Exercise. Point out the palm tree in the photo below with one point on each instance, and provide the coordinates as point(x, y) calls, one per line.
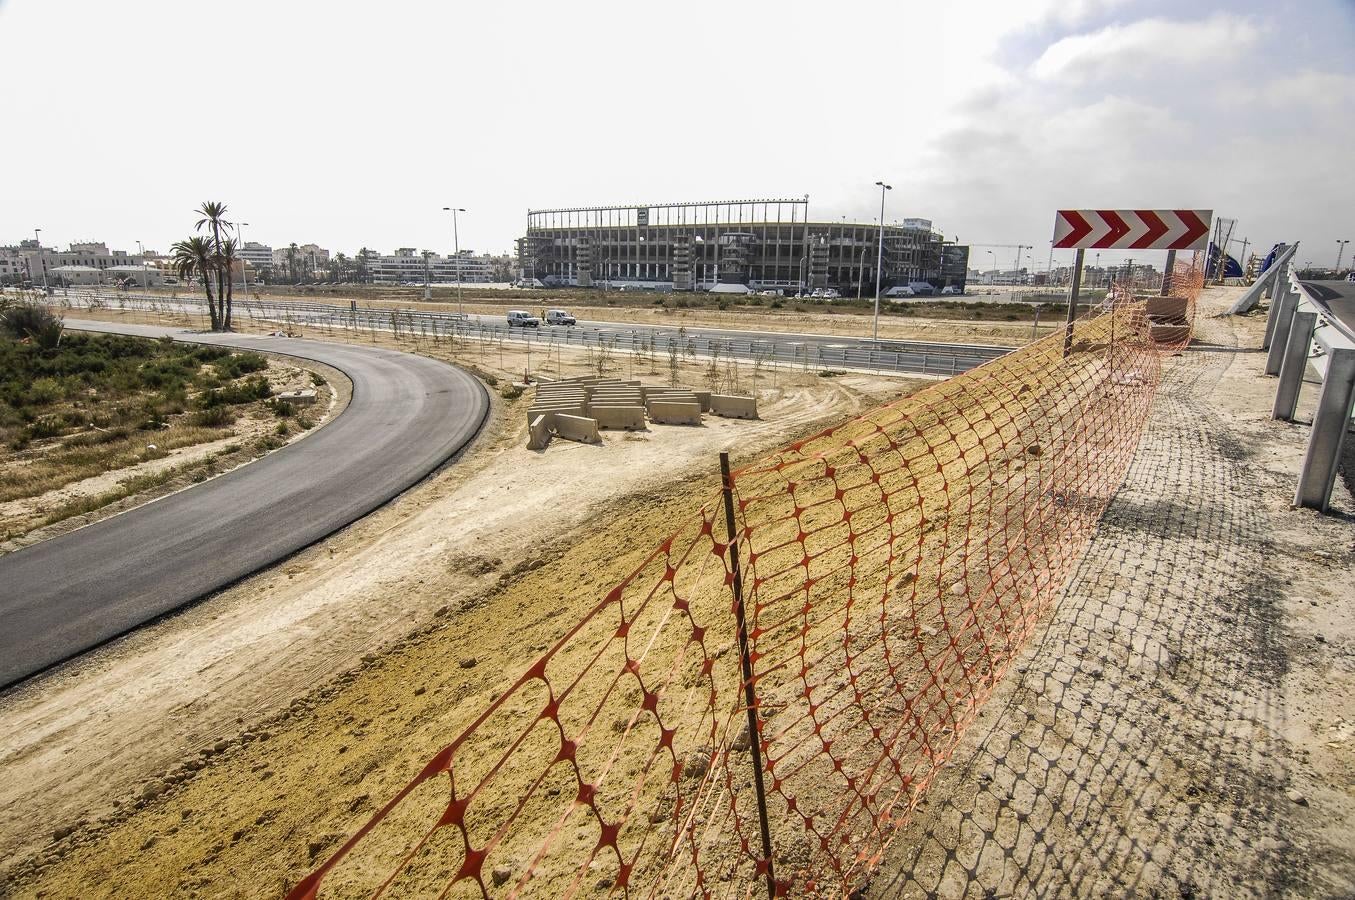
point(195, 256)
point(362, 271)
point(213, 214)
point(342, 263)
point(226, 258)
point(291, 262)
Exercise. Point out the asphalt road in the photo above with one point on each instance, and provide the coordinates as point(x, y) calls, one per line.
point(1339, 297)
point(408, 415)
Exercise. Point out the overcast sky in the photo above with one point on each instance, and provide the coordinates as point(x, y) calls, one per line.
point(352, 124)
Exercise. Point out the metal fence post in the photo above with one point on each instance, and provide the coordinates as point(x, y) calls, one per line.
point(1293, 365)
point(1282, 312)
point(1073, 289)
point(1329, 431)
point(1279, 291)
point(749, 693)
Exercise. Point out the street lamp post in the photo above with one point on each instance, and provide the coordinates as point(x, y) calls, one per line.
point(880, 258)
point(145, 288)
point(1341, 251)
point(456, 246)
point(427, 292)
point(803, 260)
point(860, 272)
point(244, 272)
point(42, 260)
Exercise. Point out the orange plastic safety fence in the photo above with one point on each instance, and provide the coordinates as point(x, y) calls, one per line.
point(892, 566)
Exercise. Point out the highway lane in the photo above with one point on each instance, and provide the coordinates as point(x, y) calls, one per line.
point(408, 415)
point(807, 350)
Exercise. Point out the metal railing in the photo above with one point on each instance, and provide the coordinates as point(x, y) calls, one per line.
point(1302, 330)
point(807, 351)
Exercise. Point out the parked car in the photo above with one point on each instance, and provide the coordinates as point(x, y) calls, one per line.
point(560, 317)
point(901, 290)
point(522, 319)
point(951, 289)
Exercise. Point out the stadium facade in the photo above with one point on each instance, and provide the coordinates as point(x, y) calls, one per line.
point(760, 244)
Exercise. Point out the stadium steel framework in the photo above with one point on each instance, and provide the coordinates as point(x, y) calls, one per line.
point(766, 244)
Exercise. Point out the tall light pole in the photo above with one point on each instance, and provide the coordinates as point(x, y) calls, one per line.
point(860, 273)
point(880, 258)
point(42, 260)
point(244, 272)
point(456, 246)
point(1340, 252)
point(142, 252)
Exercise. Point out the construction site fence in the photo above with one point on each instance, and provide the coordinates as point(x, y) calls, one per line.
point(886, 572)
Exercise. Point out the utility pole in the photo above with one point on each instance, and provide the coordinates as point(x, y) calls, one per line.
point(1341, 251)
point(244, 272)
point(42, 260)
point(427, 294)
point(880, 259)
point(145, 288)
point(456, 246)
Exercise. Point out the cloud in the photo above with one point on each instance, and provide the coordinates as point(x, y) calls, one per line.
point(1320, 91)
point(1124, 50)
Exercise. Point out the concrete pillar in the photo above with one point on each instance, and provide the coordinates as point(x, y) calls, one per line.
point(1329, 431)
point(1281, 319)
point(1294, 364)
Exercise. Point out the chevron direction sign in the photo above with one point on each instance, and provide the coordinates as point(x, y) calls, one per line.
point(1132, 229)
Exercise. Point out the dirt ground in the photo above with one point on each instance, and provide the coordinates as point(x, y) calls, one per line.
point(88, 749)
point(1182, 726)
point(21, 520)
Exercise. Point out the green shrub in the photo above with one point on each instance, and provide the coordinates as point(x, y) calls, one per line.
point(214, 417)
point(510, 392)
point(44, 391)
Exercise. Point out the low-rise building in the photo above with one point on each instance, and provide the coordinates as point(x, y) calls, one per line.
point(407, 264)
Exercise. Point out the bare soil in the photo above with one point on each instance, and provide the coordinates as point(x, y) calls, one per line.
point(92, 751)
point(1182, 726)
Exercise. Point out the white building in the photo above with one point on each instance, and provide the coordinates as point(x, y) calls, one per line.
point(260, 256)
point(408, 265)
point(38, 260)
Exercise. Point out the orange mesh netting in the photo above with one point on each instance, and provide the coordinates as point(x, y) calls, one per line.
point(892, 568)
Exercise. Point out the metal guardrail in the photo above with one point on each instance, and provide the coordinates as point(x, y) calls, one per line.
point(1302, 331)
point(822, 352)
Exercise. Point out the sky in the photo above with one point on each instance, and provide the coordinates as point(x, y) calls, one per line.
point(353, 124)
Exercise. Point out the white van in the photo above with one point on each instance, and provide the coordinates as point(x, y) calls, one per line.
point(522, 319)
point(560, 317)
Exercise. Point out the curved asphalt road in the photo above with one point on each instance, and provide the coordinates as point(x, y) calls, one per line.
point(408, 415)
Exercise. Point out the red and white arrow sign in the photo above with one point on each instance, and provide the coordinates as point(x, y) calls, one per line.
point(1132, 229)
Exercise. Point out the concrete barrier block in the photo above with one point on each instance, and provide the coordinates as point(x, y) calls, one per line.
point(577, 428)
point(297, 398)
point(733, 407)
point(1166, 307)
point(703, 397)
point(1169, 334)
point(627, 418)
point(675, 413)
point(538, 432)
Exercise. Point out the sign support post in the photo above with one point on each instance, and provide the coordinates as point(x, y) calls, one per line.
point(1073, 289)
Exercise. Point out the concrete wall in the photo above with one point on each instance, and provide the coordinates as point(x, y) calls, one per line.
point(733, 407)
point(1166, 307)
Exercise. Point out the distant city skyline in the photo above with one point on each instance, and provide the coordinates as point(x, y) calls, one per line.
point(985, 116)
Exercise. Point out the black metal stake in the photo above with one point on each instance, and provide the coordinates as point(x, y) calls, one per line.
point(749, 694)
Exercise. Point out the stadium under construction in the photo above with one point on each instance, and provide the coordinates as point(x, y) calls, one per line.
point(731, 245)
